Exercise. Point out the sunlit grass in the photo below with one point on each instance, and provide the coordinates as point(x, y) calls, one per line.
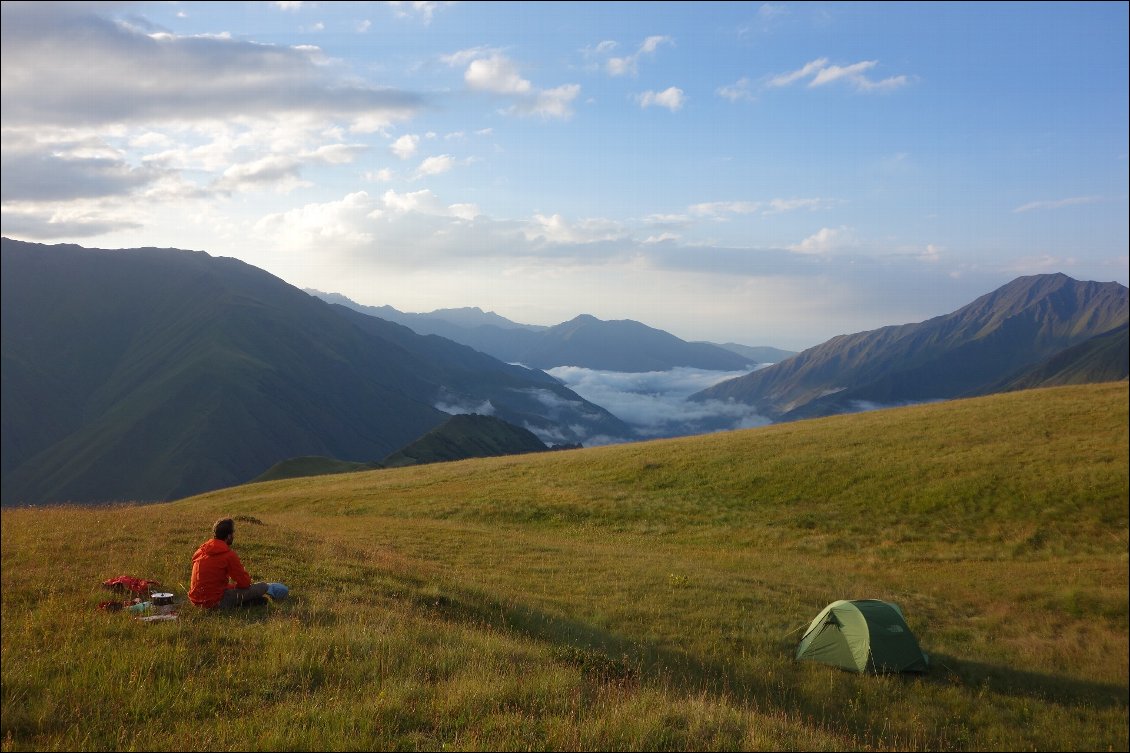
point(637, 597)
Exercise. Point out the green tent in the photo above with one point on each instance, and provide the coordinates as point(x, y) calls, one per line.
point(862, 635)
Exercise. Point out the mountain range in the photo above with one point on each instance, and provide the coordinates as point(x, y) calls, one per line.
point(620, 345)
point(151, 374)
point(1037, 330)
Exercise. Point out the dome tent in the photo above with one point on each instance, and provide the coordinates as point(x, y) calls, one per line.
point(862, 635)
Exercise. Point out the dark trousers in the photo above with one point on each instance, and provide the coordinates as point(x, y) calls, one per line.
point(244, 597)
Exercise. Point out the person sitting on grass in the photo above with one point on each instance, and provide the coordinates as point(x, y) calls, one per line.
point(218, 577)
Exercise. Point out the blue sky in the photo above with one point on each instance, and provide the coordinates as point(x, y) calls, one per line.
point(763, 173)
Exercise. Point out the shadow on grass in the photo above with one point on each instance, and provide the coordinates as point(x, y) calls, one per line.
point(1063, 691)
point(609, 658)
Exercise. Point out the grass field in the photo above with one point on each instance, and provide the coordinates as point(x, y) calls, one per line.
point(636, 597)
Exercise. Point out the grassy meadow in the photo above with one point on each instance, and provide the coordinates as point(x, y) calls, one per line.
point(637, 597)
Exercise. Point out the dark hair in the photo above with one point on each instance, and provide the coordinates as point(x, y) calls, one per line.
point(224, 527)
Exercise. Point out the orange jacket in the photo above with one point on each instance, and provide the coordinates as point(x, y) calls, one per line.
point(213, 566)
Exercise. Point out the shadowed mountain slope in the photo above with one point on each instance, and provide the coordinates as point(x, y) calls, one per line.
point(150, 374)
point(968, 352)
point(1105, 358)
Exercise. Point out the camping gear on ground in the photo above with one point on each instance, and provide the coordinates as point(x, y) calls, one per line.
point(277, 590)
point(163, 602)
point(124, 583)
point(862, 635)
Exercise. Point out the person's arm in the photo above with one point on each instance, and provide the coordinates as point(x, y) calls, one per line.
point(236, 571)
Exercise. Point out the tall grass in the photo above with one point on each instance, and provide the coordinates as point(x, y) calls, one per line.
point(637, 597)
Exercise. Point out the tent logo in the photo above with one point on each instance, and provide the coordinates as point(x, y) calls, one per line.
point(894, 628)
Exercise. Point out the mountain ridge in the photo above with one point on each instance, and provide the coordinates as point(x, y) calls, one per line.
point(585, 341)
point(964, 353)
point(151, 374)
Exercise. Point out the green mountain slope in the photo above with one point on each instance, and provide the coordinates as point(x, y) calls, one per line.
point(967, 352)
point(467, 436)
point(1104, 358)
point(311, 466)
point(151, 374)
point(647, 596)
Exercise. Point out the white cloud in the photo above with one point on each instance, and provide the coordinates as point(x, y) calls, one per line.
point(273, 171)
point(822, 74)
point(422, 201)
point(334, 222)
point(405, 146)
point(773, 206)
point(785, 79)
point(436, 165)
point(384, 175)
point(550, 103)
point(463, 57)
point(423, 9)
point(737, 92)
point(69, 67)
point(427, 203)
point(716, 208)
point(455, 408)
point(464, 211)
point(1058, 203)
point(824, 241)
point(336, 154)
point(556, 229)
point(496, 74)
point(363, 26)
point(776, 206)
point(629, 64)
point(654, 403)
point(672, 98)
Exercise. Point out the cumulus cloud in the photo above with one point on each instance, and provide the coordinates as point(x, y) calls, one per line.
point(820, 73)
point(825, 240)
point(550, 103)
point(405, 146)
point(496, 74)
point(492, 72)
point(436, 165)
point(331, 222)
point(629, 64)
point(281, 173)
point(556, 229)
point(672, 98)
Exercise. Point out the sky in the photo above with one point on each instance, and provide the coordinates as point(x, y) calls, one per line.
point(762, 173)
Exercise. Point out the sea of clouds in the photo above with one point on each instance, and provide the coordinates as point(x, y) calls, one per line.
point(654, 403)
